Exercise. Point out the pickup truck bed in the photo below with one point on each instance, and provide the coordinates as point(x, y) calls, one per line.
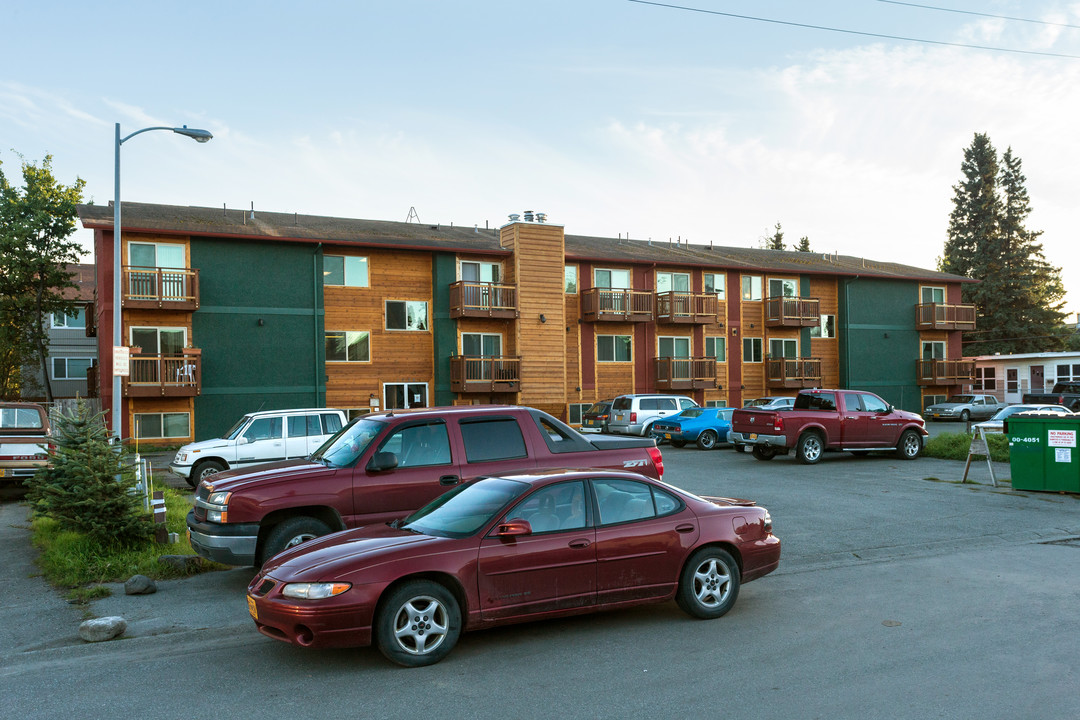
point(1067, 394)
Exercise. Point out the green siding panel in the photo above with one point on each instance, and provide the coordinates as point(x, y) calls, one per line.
point(260, 328)
point(444, 328)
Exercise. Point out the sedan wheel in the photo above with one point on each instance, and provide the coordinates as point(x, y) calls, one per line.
point(709, 584)
point(965, 416)
point(707, 440)
point(419, 624)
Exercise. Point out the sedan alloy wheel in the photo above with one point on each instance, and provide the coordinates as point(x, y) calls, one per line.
point(709, 584)
point(419, 624)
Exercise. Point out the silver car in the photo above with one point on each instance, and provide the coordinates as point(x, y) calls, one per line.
point(996, 424)
point(965, 407)
point(635, 414)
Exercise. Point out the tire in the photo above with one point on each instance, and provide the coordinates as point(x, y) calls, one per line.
point(965, 416)
point(910, 445)
point(678, 443)
point(809, 448)
point(292, 532)
point(418, 624)
point(647, 431)
point(707, 440)
point(709, 584)
point(203, 470)
point(763, 452)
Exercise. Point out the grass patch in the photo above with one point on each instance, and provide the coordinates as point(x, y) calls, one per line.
point(83, 595)
point(954, 446)
point(72, 560)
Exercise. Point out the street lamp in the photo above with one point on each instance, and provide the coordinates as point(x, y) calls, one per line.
point(118, 339)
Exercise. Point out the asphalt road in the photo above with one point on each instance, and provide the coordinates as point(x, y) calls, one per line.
point(901, 594)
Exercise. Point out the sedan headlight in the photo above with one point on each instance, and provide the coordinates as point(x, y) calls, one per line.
point(314, 591)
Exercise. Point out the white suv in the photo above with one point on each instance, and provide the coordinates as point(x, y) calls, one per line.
point(258, 437)
point(634, 414)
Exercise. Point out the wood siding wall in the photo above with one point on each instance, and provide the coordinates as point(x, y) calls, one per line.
point(827, 349)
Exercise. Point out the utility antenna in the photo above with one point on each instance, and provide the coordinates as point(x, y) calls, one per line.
point(413, 216)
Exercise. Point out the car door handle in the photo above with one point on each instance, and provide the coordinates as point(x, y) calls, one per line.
point(851, 417)
point(684, 528)
point(449, 480)
point(578, 544)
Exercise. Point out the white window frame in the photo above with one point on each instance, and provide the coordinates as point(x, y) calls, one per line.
point(932, 289)
point(157, 260)
point(784, 342)
point(408, 400)
point(932, 344)
point(407, 303)
point(349, 279)
point(614, 346)
point(348, 344)
point(718, 282)
point(494, 270)
point(570, 279)
point(676, 340)
point(760, 350)
point(67, 375)
point(751, 288)
point(481, 335)
point(611, 278)
point(158, 328)
point(670, 276)
point(1073, 376)
point(580, 408)
point(163, 436)
point(63, 323)
point(712, 340)
point(785, 285)
point(820, 330)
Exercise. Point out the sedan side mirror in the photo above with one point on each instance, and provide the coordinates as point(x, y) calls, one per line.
point(382, 461)
point(514, 528)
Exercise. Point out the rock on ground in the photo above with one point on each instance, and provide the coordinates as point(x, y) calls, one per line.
point(100, 629)
point(139, 585)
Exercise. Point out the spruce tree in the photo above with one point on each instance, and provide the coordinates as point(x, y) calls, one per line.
point(85, 487)
point(774, 241)
point(804, 244)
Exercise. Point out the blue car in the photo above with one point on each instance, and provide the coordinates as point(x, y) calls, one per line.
point(706, 426)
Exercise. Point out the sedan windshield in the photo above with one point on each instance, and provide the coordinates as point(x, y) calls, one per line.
point(465, 510)
point(349, 443)
point(961, 398)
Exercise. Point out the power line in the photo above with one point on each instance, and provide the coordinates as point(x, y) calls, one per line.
point(854, 32)
point(988, 15)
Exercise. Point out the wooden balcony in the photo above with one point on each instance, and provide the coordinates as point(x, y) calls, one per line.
point(944, 372)
point(792, 312)
point(935, 316)
point(682, 307)
point(483, 300)
point(793, 373)
point(164, 376)
point(160, 288)
point(605, 304)
point(685, 373)
point(485, 374)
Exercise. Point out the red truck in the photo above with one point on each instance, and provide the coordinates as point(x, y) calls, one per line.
point(822, 420)
point(381, 467)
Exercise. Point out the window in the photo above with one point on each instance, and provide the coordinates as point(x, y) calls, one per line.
point(159, 340)
point(714, 283)
point(827, 328)
point(815, 401)
point(70, 322)
point(264, 428)
point(985, 378)
point(669, 281)
point(716, 348)
point(751, 287)
point(715, 403)
point(673, 347)
point(933, 350)
point(1068, 373)
point(419, 445)
point(406, 315)
point(657, 403)
point(784, 348)
point(356, 412)
point(70, 368)
point(625, 500)
point(612, 279)
point(929, 400)
point(932, 295)
point(782, 288)
point(155, 255)
point(348, 346)
point(576, 411)
point(331, 423)
point(874, 404)
point(401, 396)
point(496, 439)
point(556, 507)
point(751, 350)
point(481, 345)
point(304, 425)
point(149, 426)
point(21, 418)
point(570, 278)
point(613, 348)
point(479, 271)
point(345, 270)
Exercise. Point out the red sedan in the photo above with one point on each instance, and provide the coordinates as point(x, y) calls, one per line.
point(512, 548)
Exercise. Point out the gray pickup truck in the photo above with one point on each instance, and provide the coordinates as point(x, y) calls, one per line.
point(1067, 394)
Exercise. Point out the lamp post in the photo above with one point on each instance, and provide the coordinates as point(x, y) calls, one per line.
point(118, 270)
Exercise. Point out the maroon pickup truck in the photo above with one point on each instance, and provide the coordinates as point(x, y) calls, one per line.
point(822, 420)
point(384, 466)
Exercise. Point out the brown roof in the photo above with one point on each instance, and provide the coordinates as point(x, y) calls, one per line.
point(85, 279)
point(238, 223)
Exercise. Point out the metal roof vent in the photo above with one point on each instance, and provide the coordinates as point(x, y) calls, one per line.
point(528, 216)
point(514, 217)
point(541, 217)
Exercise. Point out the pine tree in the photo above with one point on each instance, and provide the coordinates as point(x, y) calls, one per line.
point(1019, 296)
point(804, 244)
point(80, 488)
point(774, 241)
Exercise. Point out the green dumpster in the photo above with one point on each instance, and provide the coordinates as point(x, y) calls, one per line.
point(1043, 452)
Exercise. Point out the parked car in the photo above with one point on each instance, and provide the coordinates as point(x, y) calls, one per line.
point(384, 466)
point(772, 402)
point(595, 419)
point(635, 414)
point(707, 427)
point(823, 420)
point(507, 548)
point(1066, 393)
point(24, 431)
point(996, 424)
point(965, 407)
point(257, 438)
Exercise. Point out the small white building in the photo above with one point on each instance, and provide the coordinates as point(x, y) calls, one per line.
point(1008, 377)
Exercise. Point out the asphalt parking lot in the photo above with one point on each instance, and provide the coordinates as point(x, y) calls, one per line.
point(901, 594)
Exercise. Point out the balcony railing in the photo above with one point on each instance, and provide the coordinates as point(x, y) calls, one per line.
point(935, 316)
point(793, 372)
point(154, 287)
point(164, 376)
point(483, 299)
point(606, 304)
point(792, 312)
point(685, 373)
point(469, 374)
point(682, 307)
point(944, 372)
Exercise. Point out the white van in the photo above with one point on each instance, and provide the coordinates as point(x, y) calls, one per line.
point(635, 414)
point(258, 437)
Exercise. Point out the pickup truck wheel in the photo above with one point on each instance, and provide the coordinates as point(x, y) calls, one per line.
point(808, 450)
point(763, 452)
point(910, 445)
point(707, 440)
point(709, 584)
point(418, 624)
point(965, 416)
point(203, 470)
point(292, 532)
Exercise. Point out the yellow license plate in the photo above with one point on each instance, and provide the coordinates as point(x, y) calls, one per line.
point(753, 436)
point(667, 436)
point(3, 472)
point(251, 608)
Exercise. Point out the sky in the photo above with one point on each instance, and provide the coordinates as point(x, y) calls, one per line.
point(614, 117)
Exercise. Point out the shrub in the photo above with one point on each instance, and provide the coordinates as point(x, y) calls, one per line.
point(955, 446)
